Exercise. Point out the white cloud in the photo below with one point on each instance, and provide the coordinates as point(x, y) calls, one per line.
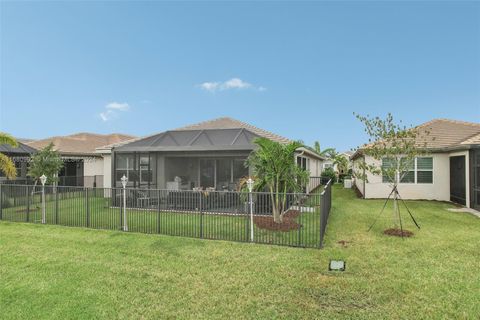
point(118, 106)
point(112, 109)
point(236, 83)
point(233, 83)
point(210, 86)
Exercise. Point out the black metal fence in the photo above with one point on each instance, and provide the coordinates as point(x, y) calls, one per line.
point(325, 205)
point(315, 182)
point(222, 215)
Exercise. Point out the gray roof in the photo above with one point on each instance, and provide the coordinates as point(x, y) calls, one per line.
point(21, 149)
point(230, 123)
point(194, 140)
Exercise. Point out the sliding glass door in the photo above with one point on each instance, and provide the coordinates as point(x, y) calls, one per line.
point(207, 173)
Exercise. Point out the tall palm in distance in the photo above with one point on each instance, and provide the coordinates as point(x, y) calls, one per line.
point(328, 153)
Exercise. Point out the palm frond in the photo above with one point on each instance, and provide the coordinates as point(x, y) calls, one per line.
point(7, 166)
point(5, 138)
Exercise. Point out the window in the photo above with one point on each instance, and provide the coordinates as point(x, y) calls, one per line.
point(302, 162)
point(419, 170)
point(387, 164)
point(409, 175)
point(124, 166)
point(145, 169)
point(425, 170)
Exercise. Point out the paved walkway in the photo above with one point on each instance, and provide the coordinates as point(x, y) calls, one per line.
point(468, 210)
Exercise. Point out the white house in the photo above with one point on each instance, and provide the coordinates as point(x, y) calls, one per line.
point(449, 172)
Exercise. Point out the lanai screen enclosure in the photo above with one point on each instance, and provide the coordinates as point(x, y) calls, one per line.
point(184, 160)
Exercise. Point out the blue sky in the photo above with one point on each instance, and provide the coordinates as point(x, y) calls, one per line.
point(297, 69)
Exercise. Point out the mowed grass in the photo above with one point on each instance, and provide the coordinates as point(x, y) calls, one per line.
point(54, 272)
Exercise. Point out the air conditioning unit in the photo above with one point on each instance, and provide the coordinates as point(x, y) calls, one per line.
point(347, 183)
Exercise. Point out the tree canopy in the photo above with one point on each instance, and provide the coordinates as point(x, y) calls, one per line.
point(48, 162)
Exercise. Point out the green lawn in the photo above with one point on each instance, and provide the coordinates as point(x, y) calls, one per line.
point(58, 272)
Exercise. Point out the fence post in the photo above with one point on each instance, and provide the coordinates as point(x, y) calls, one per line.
point(299, 240)
point(125, 222)
point(56, 207)
point(1, 201)
point(322, 210)
point(201, 213)
point(27, 218)
point(120, 206)
point(87, 207)
point(44, 215)
point(158, 213)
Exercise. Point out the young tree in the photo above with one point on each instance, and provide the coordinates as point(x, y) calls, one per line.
point(274, 168)
point(48, 162)
point(394, 148)
point(6, 164)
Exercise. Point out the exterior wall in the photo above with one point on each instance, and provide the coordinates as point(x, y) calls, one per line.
point(467, 173)
point(438, 190)
point(359, 183)
point(94, 166)
point(107, 170)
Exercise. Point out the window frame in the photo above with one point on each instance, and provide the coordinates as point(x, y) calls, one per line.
point(415, 172)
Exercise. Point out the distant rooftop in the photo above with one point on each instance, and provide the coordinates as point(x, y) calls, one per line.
point(21, 149)
point(83, 143)
point(446, 134)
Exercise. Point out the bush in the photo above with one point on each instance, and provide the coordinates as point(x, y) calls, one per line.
point(330, 174)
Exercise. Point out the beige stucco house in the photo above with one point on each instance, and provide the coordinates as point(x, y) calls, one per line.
point(450, 171)
point(83, 166)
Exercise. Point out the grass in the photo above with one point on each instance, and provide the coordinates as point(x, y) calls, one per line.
point(70, 210)
point(57, 272)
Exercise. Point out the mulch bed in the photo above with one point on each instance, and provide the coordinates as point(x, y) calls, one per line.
point(287, 224)
point(398, 233)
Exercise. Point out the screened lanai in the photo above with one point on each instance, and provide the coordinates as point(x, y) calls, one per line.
point(185, 159)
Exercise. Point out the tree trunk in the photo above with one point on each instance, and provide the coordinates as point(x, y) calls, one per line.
point(395, 196)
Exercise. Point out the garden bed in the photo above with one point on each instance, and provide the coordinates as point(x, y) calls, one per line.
point(288, 223)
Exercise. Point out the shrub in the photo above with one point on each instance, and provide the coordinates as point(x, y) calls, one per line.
point(329, 173)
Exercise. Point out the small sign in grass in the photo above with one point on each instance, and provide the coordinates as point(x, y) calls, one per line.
point(337, 265)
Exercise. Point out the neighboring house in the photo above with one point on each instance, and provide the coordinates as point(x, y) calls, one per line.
point(328, 163)
point(82, 165)
point(20, 156)
point(209, 154)
point(449, 172)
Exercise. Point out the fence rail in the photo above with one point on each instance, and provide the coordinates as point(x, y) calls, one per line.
point(222, 215)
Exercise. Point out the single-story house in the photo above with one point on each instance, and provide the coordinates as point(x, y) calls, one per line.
point(20, 156)
point(209, 154)
point(83, 166)
point(450, 171)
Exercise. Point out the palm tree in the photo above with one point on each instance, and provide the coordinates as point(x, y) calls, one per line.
point(341, 162)
point(329, 152)
point(6, 164)
point(275, 169)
